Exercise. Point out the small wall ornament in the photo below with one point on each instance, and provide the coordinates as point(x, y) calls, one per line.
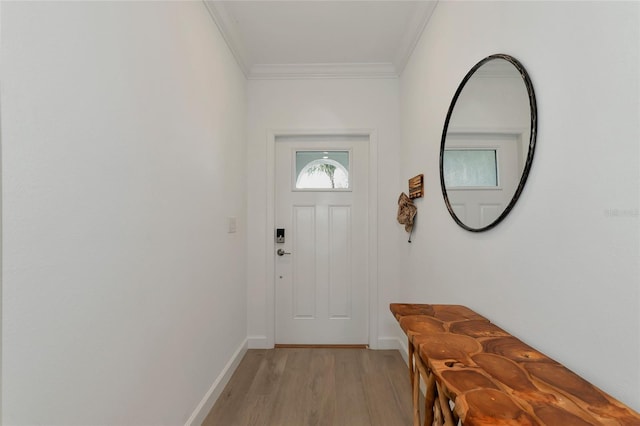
point(416, 186)
point(406, 213)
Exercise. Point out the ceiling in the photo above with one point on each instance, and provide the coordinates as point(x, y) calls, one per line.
point(306, 38)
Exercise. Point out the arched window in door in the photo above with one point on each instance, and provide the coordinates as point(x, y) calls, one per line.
point(322, 173)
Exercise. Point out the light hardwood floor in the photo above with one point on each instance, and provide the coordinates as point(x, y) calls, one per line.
point(303, 387)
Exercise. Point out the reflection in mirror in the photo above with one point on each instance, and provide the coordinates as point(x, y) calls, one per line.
point(488, 142)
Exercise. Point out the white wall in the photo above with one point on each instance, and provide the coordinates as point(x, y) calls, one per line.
point(562, 271)
point(323, 104)
point(123, 155)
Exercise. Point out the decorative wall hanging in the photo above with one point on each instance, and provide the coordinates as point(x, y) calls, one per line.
point(416, 186)
point(406, 213)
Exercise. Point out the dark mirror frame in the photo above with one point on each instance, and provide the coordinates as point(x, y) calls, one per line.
point(532, 139)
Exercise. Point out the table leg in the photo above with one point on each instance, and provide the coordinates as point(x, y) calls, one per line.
point(446, 408)
point(411, 362)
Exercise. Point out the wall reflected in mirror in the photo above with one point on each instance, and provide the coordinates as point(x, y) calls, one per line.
point(488, 142)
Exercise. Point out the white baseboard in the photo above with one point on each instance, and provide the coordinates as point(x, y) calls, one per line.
point(386, 343)
point(395, 343)
point(205, 406)
point(258, 342)
point(404, 350)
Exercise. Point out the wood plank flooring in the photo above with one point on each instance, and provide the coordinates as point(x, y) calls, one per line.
point(305, 387)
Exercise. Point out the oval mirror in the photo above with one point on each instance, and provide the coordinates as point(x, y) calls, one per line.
point(488, 142)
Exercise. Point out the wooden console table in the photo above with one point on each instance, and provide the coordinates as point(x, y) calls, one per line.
point(478, 374)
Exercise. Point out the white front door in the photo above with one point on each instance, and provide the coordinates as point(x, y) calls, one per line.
point(321, 203)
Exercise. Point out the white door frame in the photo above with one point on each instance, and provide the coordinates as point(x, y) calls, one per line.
point(372, 255)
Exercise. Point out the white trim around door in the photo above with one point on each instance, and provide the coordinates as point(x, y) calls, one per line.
point(373, 224)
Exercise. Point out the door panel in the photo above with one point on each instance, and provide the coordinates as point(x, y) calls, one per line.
point(339, 262)
point(489, 212)
point(304, 225)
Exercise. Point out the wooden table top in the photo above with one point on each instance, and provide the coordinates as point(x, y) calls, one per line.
point(496, 379)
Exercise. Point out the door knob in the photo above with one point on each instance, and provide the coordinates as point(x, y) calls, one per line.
point(281, 252)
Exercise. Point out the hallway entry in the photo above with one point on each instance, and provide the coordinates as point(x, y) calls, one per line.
point(321, 262)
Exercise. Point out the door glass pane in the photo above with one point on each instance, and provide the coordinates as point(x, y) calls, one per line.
point(470, 168)
point(322, 170)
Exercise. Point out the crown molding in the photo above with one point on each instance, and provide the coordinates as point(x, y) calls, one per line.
point(227, 28)
point(297, 71)
point(413, 33)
